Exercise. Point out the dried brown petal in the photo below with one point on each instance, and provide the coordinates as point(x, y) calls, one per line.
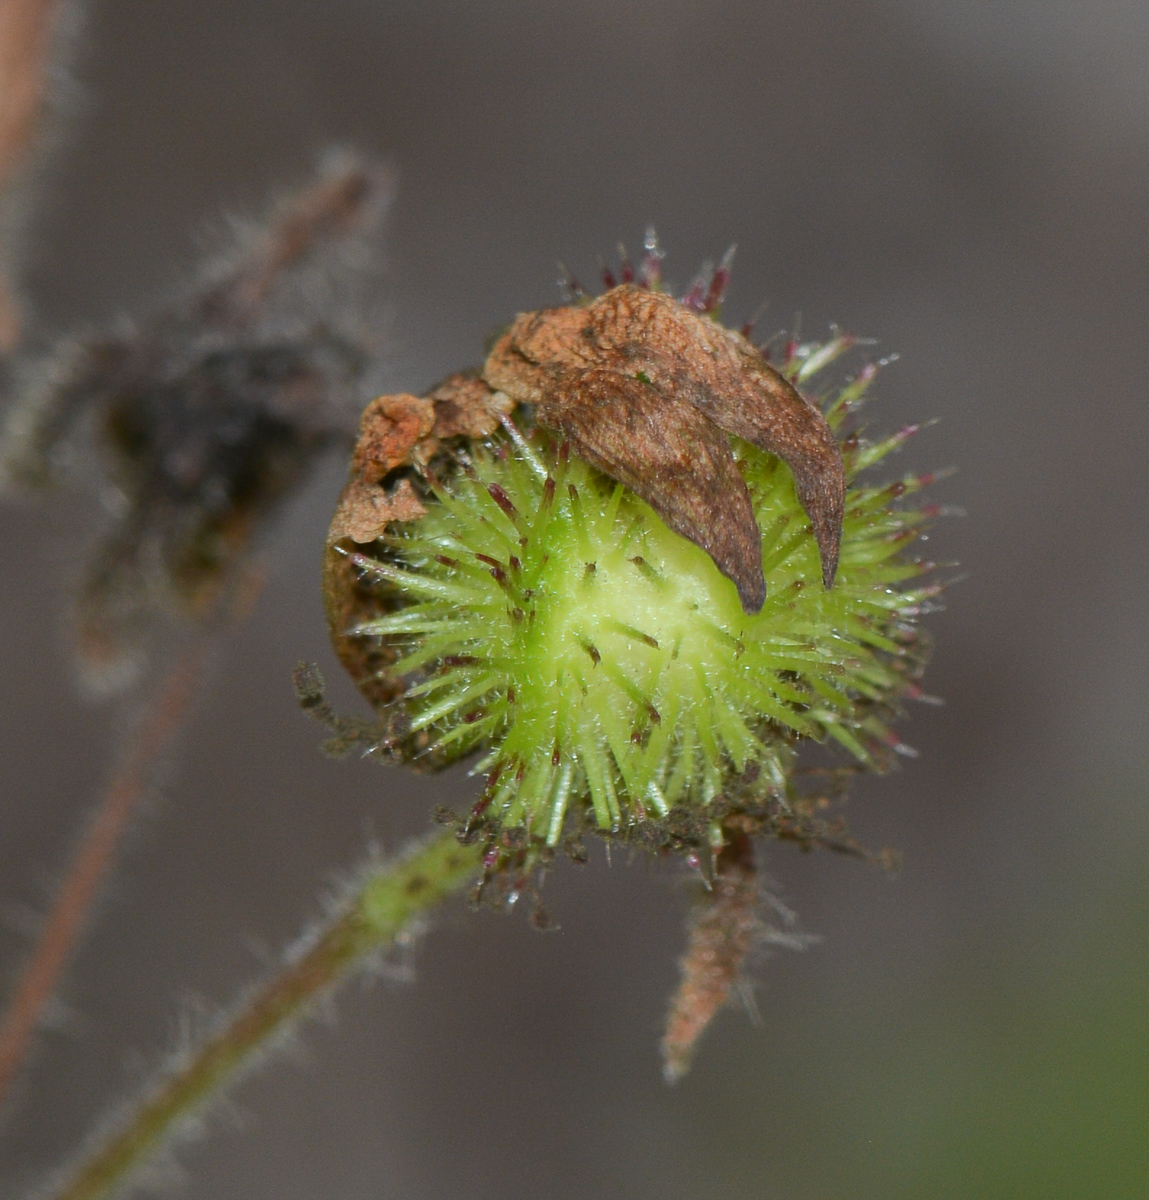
point(679, 359)
point(722, 375)
point(555, 340)
point(512, 374)
point(674, 458)
point(465, 406)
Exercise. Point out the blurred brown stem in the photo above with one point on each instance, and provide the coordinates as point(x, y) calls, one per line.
point(346, 197)
point(26, 28)
point(69, 913)
point(327, 210)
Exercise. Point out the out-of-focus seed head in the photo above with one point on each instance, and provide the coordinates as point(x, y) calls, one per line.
point(206, 415)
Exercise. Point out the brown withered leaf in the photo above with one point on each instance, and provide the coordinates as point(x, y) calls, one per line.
point(687, 362)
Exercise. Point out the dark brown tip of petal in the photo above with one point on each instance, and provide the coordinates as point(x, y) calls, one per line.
point(786, 424)
point(672, 456)
point(750, 582)
point(823, 498)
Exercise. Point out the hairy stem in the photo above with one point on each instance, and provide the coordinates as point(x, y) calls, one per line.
point(26, 28)
point(387, 900)
point(87, 871)
point(721, 934)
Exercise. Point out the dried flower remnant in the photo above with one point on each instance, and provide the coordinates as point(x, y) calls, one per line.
point(208, 414)
point(533, 597)
point(645, 388)
point(397, 433)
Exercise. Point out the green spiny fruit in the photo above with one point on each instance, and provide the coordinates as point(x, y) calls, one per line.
point(544, 616)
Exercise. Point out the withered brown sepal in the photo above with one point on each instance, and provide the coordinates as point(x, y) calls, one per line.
point(644, 388)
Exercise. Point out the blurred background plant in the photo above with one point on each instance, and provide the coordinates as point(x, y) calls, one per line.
point(971, 183)
point(190, 426)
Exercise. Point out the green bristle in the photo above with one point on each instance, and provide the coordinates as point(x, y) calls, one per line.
point(639, 682)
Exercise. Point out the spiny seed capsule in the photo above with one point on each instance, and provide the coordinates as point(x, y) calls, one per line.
point(515, 573)
point(638, 680)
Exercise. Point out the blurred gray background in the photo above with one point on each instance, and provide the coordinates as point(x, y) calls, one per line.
point(967, 182)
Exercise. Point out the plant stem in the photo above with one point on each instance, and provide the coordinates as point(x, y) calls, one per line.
point(93, 860)
point(387, 900)
point(166, 714)
point(26, 28)
point(722, 931)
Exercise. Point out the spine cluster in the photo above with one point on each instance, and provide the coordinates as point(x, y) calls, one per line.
point(544, 615)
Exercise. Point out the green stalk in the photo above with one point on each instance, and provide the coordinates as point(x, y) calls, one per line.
point(387, 900)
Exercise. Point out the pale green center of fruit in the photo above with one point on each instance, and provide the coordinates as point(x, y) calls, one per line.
point(643, 607)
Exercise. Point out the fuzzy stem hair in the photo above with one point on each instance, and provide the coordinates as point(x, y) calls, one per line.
point(380, 908)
